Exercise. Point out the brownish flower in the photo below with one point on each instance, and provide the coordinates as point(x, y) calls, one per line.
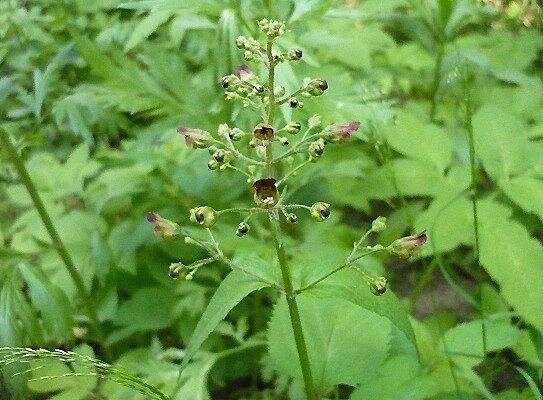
point(405, 247)
point(265, 192)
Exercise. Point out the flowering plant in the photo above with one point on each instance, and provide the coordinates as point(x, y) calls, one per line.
point(269, 157)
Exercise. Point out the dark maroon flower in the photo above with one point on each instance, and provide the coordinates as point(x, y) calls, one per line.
point(265, 192)
point(263, 132)
point(405, 247)
point(341, 131)
point(196, 138)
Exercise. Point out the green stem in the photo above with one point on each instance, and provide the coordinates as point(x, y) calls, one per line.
point(294, 313)
point(437, 79)
point(51, 230)
point(473, 170)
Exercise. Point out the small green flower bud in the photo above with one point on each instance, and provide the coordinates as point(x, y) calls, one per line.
point(294, 54)
point(235, 134)
point(379, 224)
point(316, 87)
point(292, 127)
point(241, 42)
point(283, 140)
point(213, 165)
point(220, 156)
point(293, 102)
point(316, 149)
point(292, 218)
point(320, 211)
point(177, 270)
point(378, 286)
point(314, 123)
point(162, 227)
point(405, 247)
point(205, 216)
point(259, 89)
point(243, 229)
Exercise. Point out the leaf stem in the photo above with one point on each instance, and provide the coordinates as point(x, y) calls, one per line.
point(294, 313)
point(61, 249)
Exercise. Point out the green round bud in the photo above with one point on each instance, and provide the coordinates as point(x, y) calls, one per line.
point(219, 156)
point(259, 89)
point(316, 149)
point(292, 218)
point(316, 87)
point(292, 127)
point(293, 102)
point(379, 224)
point(213, 165)
point(243, 229)
point(378, 286)
point(205, 216)
point(320, 211)
point(294, 54)
point(283, 140)
point(177, 270)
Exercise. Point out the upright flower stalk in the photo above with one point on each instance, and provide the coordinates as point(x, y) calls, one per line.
point(252, 152)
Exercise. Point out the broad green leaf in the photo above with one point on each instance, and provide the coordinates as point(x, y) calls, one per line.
point(513, 259)
point(420, 140)
point(468, 343)
point(349, 285)
point(499, 142)
point(345, 342)
point(234, 288)
point(149, 308)
point(526, 192)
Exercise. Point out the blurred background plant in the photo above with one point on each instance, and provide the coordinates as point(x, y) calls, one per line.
point(450, 98)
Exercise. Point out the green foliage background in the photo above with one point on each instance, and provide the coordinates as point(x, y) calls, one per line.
point(91, 93)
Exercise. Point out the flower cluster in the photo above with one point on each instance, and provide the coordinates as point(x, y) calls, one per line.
point(260, 152)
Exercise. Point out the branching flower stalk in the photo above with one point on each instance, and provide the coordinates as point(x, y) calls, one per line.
point(257, 155)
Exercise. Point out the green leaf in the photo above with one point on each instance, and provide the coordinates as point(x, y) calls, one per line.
point(54, 306)
point(345, 342)
point(420, 140)
point(349, 285)
point(513, 259)
point(526, 192)
point(149, 308)
point(499, 142)
point(468, 343)
point(234, 288)
point(146, 27)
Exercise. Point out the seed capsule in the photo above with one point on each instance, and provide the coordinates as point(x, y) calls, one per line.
point(292, 218)
point(243, 229)
point(293, 102)
point(320, 211)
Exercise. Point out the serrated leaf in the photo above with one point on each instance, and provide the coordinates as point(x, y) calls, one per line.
point(513, 259)
point(234, 288)
point(345, 342)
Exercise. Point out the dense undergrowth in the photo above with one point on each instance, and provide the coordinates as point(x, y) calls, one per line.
point(450, 99)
